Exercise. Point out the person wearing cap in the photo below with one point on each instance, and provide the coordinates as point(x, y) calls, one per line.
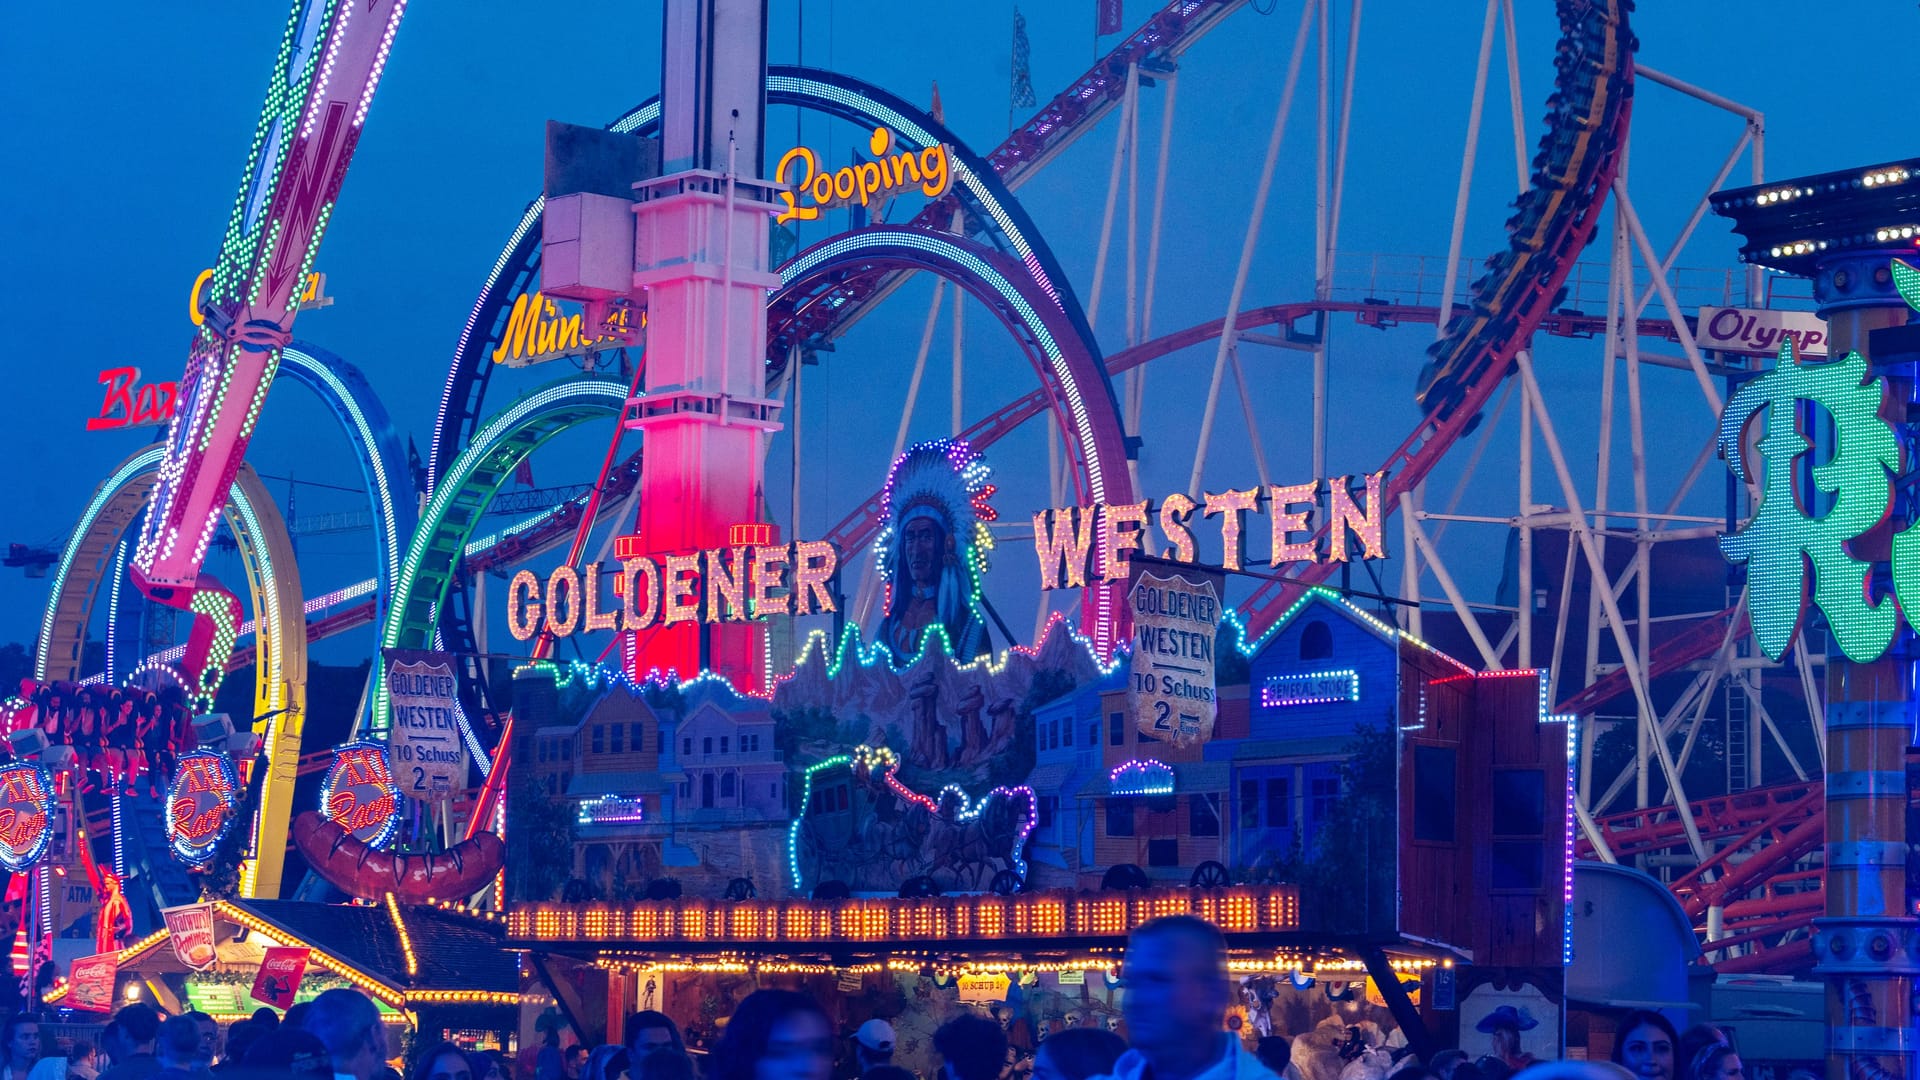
point(872, 1048)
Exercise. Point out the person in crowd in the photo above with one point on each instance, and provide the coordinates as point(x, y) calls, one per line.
point(1716, 1061)
point(1276, 1053)
point(289, 1050)
point(348, 1023)
point(297, 1015)
point(649, 1031)
point(240, 1037)
point(779, 1035)
point(178, 1048)
point(491, 1065)
point(135, 1028)
point(1176, 1005)
point(573, 1061)
point(1493, 1068)
point(20, 1040)
point(663, 1065)
point(1646, 1045)
point(1695, 1039)
point(971, 1047)
point(1467, 1070)
point(443, 1061)
point(265, 1019)
point(49, 1068)
point(872, 1048)
point(888, 1072)
point(83, 1060)
point(209, 1029)
point(1077, 1054)
point(1444, 1062)
point(605, 1062)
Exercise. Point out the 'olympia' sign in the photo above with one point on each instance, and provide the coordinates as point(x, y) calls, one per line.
point(1782, 544)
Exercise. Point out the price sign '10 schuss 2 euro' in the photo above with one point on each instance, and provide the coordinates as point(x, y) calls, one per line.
point(1781, 544)
point(1171, 676)
point(429, 756)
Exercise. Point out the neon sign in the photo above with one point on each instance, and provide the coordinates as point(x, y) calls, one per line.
point(539, 330)
point(26, 815)
point(124, 406)
point(358, 793)
point(738, 584)
point(314, 295)
point(1315, 688)
point(201, 804)
point(1064, 538)
point(877, 180)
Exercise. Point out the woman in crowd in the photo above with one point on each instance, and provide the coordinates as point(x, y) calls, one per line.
point(1646, 1045)
point(1717, 1061)
point(774, 1035)
point(444, 1061)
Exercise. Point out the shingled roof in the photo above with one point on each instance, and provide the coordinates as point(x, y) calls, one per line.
point(451, 951)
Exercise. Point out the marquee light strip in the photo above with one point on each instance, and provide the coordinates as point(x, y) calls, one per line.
point(1051, 914)
point(1154, 776)
point(1270, 696)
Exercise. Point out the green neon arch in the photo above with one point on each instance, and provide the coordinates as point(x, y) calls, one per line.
point(460, 498)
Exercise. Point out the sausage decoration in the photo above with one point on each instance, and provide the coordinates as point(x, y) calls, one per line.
point(360, 870)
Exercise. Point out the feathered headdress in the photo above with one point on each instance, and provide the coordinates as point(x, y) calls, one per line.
point(945, 481)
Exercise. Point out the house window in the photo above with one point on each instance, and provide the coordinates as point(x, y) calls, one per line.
point(686, 746)
point(1116, 728)
point(1435, 796)
point(1279, 803)
point(1093, 733)
point(541, 753)
point(749, 743)
point(686, 788)
point(1163, 852)
point(619, 733)
point(1049, 806)
point(1066, 732)
point(638, 738)
point(1321, 795)
point(1120, 817)
point(706, 745)
point(1519, 802)
point(723, 744)
point(1203, 815)
point(1316, 641)
point(1249, 804)
point(726, 785)
point(599, 739)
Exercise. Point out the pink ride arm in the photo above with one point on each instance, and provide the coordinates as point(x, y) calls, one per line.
point(329, 64)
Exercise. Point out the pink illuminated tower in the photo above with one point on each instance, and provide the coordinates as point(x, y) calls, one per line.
point(700, 261)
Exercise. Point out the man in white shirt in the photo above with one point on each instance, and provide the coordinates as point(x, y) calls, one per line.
point(1175, 1004)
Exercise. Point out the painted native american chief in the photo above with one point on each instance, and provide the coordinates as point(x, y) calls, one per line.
point(933, 550)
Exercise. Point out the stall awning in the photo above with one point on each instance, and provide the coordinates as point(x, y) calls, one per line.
point(405, 955)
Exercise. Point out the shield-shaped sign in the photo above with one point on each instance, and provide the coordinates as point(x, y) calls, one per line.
point(359, 795)
point(26, 814)
point(202, 803)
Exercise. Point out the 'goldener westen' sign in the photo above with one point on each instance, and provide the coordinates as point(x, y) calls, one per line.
point(1065, 538)
point(733, 584)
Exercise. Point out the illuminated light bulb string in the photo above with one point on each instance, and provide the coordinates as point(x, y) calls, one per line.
point(1141, 776)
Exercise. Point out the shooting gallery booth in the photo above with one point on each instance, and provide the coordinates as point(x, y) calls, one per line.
point(1380, 831)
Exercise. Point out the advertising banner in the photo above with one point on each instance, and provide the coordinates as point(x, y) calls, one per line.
point(190, 930)
point(423, 733)
point(90, 983)
point(1172, 677)
point(980, 989)
point(281, 970)
point(1758, 331)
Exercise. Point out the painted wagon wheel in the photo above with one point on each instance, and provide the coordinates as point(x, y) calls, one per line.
point(1122, 877)
point(739, 889)
point(1006, 883)
point(917, 888)
point(1210, 875)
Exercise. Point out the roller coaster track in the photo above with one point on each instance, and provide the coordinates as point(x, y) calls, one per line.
point(1579, 156)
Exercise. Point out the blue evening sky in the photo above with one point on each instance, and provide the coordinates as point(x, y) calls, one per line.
point(128, 124)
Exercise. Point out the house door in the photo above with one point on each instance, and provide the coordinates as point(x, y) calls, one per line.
point(706, 792)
